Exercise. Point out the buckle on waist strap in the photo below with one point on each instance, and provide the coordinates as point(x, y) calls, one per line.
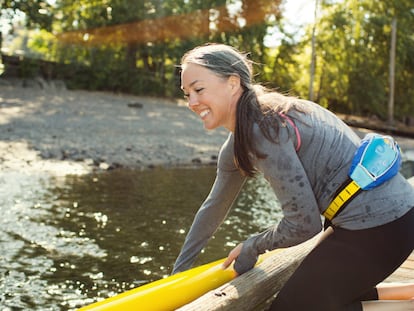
point(344, 196)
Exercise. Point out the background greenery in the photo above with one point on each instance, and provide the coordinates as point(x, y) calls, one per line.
point(135, 46)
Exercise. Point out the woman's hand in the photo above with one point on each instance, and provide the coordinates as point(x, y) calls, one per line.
point(232, 256)
point(243, 256)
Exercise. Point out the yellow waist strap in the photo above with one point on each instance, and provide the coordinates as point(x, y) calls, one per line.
point(345, 195)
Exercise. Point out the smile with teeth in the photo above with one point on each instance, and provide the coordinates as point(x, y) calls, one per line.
point(204, 113)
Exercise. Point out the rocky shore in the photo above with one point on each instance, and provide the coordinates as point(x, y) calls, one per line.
point(49, 128)
point(97, 130)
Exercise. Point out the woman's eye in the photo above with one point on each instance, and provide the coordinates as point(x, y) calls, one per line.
point(187, 95)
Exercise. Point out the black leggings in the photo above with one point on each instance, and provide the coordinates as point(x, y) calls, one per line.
point(343, 270)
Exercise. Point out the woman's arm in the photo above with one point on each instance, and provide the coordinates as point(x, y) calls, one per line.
point(213, 211)
point(301, 220)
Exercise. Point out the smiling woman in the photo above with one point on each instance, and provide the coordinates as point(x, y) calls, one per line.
point(212, 97)
point(304, 152)
point(211, 88)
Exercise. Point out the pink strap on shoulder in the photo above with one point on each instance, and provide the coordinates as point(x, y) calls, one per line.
point(289, 120)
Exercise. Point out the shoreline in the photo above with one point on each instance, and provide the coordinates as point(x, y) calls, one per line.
point(63, 131)
point(100, 131)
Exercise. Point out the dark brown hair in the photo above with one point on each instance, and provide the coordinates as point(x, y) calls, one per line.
point(255, 105)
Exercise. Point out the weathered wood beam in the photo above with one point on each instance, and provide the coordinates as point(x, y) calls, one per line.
point(257, 286)
point(254, 289)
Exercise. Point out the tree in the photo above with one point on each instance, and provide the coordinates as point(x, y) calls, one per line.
point(353, 56)
point(153, 34)
point(38, 14)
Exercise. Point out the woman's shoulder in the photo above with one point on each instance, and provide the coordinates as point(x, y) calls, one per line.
point(226, 154)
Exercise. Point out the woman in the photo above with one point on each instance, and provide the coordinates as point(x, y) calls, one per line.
point(304, 152)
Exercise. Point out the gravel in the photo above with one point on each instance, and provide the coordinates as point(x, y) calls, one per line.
point(45, 127)
point(99, 130)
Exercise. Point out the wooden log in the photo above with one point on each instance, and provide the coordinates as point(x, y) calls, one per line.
point(257, 286)
point(255, 289)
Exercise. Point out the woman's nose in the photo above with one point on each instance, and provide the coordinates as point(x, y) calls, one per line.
point(192, 101)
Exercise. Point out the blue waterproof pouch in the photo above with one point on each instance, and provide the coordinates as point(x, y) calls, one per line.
point(377, 159)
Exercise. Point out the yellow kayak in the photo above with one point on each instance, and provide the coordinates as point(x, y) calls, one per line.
point(172, 292)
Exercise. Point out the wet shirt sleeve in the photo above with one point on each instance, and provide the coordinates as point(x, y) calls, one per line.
point(214, 209)
point(283, 169)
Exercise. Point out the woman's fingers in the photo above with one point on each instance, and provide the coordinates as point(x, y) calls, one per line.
point(232, 256)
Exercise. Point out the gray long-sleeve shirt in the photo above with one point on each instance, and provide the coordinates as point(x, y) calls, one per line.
point(304, 182)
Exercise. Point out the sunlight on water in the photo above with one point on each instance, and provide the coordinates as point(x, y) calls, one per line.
point(69, 241)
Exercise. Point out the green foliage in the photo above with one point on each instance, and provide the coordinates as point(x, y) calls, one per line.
point(354, 55)
point(136, 46)
point(38, 12)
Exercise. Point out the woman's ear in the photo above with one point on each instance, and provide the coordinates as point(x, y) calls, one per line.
point(234, 82)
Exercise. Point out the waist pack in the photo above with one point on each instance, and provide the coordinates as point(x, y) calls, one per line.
point(377, 159)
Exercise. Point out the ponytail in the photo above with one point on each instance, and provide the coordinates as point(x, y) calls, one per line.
point(268, 115)
point(247, 112)
point(226, 61)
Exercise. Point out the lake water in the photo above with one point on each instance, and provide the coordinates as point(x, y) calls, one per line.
point(67, 241)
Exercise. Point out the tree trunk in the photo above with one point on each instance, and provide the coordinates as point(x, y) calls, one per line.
point(313, 56)
point(392, 72)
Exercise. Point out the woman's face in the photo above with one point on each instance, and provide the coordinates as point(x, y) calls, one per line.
point(211, 97)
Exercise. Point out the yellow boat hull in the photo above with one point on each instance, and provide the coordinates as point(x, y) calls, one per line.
point(172, 292)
